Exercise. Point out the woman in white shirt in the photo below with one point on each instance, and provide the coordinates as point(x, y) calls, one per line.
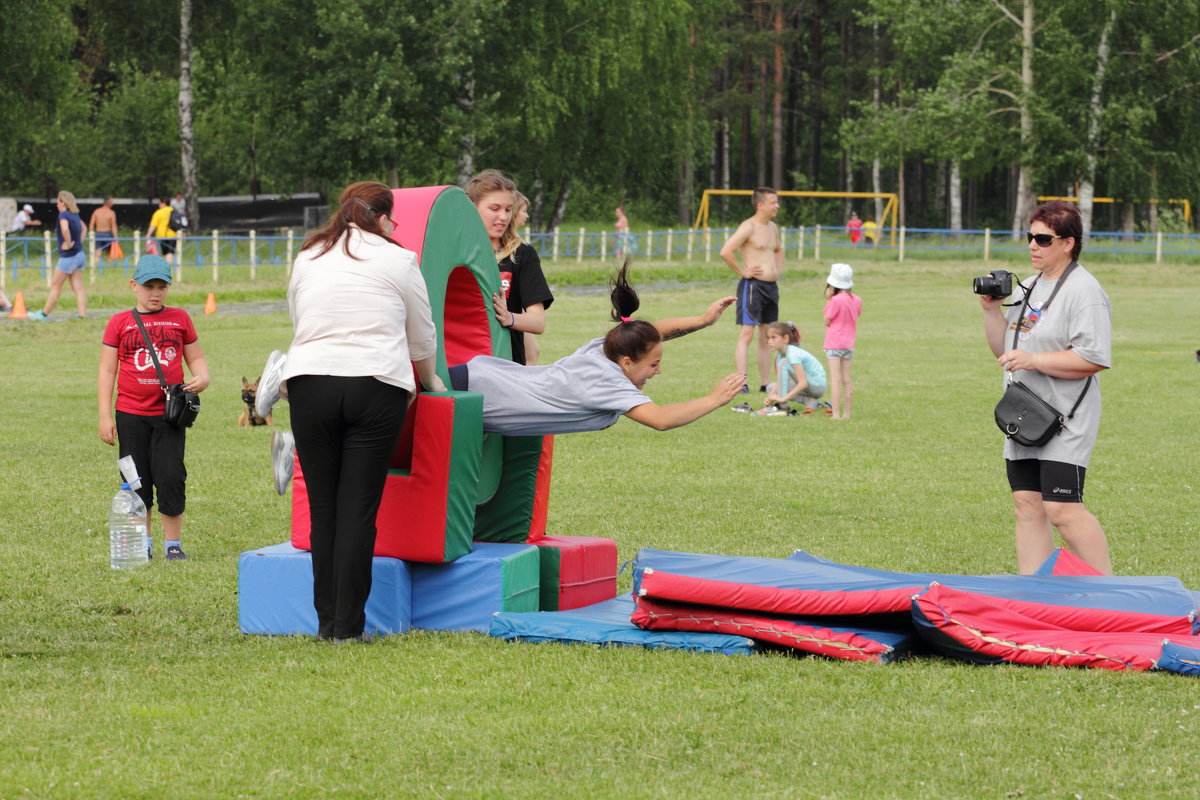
point(361, 316)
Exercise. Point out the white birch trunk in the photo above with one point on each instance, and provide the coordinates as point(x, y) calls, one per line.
point(1025, 196)
point(1087, 187)
point(187, 133)
point(466, 155)
point(955, 191)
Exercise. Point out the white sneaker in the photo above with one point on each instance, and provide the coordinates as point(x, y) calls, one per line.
point(268, 384)
point(283, 459)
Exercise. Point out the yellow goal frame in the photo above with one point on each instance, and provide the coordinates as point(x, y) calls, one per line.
point(890, 209)
point(1187, 206)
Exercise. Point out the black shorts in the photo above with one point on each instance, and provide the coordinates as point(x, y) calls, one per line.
point(166, 247)
point(1058, 482)
point(758, 302)
point(459, 379)
point(157, 450)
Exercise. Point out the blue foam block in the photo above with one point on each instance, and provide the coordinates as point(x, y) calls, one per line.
point(275, 593)
point(607, 623)
point(464, 594)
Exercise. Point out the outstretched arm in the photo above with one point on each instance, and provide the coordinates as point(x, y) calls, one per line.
point(681, 326)
point(672, 415)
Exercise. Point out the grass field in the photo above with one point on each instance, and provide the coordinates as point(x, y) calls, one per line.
point(139, 684)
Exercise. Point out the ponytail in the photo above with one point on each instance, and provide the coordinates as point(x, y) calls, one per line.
point(631, 337)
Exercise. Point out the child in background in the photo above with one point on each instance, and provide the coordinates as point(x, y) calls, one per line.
point(156, 446)
point(533, 350)
point(799, 376)
point(842, 310)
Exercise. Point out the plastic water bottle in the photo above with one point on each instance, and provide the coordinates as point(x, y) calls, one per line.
point(127, 529)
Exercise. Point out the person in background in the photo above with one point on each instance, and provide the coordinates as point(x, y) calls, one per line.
point(756, 242)
point(870, 231)
point(533, 350)
point(842, 309)
point(362, 321)
point(1055, 344)
point(854, 228)
point(178, 204)
point(71, 258)
point(623, 241)
point(799, 376)
point(520, 210)
point(103, 223)
point(24, 219)
point(160, 227)
point(157, 447)
point(525, 294)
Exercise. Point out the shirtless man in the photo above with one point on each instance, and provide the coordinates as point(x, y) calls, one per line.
point(756, 241)
point(104, 224)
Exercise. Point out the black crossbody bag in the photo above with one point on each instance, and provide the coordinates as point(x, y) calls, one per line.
point(1021, 414)
point(181, 406)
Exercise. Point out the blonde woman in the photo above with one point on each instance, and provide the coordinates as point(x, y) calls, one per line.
point(526, 295)
point(71, 258)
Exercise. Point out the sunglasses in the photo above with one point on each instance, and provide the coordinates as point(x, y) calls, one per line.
point(1042, 239)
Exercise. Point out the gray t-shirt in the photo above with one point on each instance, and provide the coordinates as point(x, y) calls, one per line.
point(581, 392)
point(1079, 319)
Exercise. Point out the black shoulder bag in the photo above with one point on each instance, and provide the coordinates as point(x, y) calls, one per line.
point(1021, 414)
point(181, 407)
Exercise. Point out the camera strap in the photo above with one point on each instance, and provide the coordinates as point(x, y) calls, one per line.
point(1017, 326)
point(162, 379)
point(1024, 305)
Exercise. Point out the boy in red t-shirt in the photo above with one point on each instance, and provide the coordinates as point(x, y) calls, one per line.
point(156, 446)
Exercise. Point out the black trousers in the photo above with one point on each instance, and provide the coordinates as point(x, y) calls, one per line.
point(346, 430)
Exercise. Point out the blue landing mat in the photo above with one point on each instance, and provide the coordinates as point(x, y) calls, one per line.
point(608, 623)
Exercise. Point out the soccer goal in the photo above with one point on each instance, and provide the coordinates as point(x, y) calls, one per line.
point(890, 209)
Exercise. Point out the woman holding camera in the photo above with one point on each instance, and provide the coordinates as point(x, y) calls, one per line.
point(1055, 344)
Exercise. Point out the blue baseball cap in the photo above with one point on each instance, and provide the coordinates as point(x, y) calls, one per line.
point(151, 267)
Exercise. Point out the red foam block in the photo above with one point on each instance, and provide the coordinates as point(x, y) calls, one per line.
point(577, 571)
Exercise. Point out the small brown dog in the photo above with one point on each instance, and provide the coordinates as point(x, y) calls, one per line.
point(249, 418)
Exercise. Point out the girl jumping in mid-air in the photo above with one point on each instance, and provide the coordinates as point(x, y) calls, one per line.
point(841, 323)
point(799, 376)
point(588, 390)
point(601, 381)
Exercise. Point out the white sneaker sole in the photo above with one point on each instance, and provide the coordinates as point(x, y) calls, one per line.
point(268, 384)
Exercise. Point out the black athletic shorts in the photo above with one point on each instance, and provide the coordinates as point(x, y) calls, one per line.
point(758, 302)
point(459, 380)
point(1058, 482)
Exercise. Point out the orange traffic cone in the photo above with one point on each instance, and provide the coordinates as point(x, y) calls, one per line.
point(210, 305)
point(19, 311)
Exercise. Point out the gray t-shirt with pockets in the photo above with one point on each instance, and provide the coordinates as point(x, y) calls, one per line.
point(581, 392)
point(1079, 319)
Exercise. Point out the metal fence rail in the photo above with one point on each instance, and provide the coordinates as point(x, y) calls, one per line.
point(22, 255)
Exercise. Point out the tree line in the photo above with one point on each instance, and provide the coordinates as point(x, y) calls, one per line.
point(969, 109)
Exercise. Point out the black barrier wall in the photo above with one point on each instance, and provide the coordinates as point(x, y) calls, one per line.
point(265, 213)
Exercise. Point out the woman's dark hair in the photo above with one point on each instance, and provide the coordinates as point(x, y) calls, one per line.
point(631, 337)
point(1062, 218)
point(361, 205)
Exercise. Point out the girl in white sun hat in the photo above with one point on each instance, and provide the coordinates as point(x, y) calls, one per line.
point(842, 309)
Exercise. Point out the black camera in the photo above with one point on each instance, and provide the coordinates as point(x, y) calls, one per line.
point(997, 283)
